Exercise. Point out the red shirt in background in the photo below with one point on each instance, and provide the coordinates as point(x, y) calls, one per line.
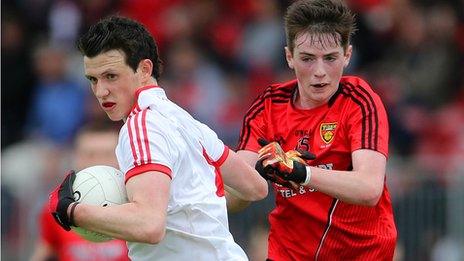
point(68, 246)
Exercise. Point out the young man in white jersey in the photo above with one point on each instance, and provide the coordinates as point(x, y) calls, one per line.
point(175, 166)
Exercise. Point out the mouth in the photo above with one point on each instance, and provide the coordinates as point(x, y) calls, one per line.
point(108, 105)
point(319, 85)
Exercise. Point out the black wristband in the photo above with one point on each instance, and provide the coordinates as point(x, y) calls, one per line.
point(71, 214)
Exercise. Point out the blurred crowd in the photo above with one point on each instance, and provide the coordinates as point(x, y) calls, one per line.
point(218, 55)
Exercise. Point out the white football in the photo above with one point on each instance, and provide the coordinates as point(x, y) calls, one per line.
point(101, 186)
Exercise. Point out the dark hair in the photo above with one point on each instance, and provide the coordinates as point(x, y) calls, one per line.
point(120, 33)
point(319, 17)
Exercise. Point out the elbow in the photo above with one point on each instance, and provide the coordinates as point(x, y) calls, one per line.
point(154, 235)
point(371, 202)
point(263, 191)
point(260, 192)
point(371, 197)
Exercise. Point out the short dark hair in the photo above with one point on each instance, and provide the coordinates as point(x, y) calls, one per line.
point(120, 33)
point(319, 17)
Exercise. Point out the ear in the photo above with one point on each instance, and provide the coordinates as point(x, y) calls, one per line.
point(289, 57)
point(348, 52)
point(145, 68)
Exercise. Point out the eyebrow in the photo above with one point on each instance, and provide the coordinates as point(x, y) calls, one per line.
point(329, 54)
point(108, 71)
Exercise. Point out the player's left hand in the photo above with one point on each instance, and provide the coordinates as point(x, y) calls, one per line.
point(60, 199)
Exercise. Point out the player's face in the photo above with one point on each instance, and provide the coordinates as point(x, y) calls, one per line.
point(318, 62)
point(96, 148)
point(113, 82)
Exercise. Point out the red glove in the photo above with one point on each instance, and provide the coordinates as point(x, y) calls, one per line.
point(60, 199)
point(279, 167)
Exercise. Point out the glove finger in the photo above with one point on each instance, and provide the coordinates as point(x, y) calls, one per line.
point(58, 220)
point(274, 150)
point(259, 166)
point(306, 155)
point(53, 200)
point(263, 142)
point(263, 156)
point(276, 176)
point(282, 182)
point(294, 185)
point(288, 185)
point(271, 177)
point(268, 169)
point(266, 149)
point(261, 169)
point(66, 186)
point(266, 173)
point(72, 177)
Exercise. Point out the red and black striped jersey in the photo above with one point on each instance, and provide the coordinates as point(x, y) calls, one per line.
point(307, 224)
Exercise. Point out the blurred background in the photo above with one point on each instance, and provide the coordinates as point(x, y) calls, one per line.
point(218, 55)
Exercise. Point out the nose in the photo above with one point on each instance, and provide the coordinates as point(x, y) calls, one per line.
point(319, 70)
point(100, 90)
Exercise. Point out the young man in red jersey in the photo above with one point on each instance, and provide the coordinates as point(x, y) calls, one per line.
point(337, 207)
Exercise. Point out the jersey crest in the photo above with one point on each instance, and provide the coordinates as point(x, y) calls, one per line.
point(327, 131)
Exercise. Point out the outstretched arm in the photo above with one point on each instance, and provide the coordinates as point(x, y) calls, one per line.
point(363, 185)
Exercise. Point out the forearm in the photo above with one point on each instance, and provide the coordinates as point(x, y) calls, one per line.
point(129, 222)
point(348, 186)
point(242, 179)
point(234, 202)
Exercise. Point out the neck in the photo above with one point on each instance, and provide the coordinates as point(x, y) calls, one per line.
point(302, 103)
point(150, 81)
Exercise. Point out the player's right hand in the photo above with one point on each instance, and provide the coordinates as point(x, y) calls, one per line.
point(270, 151)
point(60, 199)
point(285, 168)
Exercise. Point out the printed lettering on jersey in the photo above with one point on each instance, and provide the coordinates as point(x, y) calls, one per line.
point(303, 144)
point(300, 133)
point(285, 192)
point(327, 131)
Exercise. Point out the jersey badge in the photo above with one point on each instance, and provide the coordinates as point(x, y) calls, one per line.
point(327, 131)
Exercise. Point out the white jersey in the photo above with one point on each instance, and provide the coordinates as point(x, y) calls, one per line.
point(160, 136)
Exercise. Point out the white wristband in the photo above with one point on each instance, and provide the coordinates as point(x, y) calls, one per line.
point(308, 176)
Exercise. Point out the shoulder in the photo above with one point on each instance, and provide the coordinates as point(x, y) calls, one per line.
point(150, 119)
point(142, 125)
point(358, 90)
point(355, 84)
point(278, 92)
point(283, 90)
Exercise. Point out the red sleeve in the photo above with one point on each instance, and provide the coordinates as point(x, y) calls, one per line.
point(223, 157)
point(259, 119)
point(367, 121)
point(137, 170)
point(253, 127)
